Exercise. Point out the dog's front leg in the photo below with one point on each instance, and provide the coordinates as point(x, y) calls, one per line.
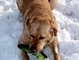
point(54, 48)
point(24, 55)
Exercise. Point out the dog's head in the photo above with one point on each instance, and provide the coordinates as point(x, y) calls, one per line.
point(42, 32)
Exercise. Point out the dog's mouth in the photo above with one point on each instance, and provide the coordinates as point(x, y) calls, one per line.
point(33, 48)
point(23, 45)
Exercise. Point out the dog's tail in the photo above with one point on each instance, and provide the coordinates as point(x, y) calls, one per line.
point(53, 3)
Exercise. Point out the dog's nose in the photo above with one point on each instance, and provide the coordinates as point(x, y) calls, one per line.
point(33, 49)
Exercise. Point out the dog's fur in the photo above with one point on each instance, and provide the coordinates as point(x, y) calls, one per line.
point(40, 27)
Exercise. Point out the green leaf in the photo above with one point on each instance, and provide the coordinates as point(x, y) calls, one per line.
point(40, 56)
point(25, 48)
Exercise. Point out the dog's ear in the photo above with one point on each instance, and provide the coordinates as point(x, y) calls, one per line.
point(29, 21)
point(53, 28)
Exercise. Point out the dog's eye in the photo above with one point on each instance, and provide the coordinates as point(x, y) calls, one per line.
point(42, 37)
point(32, 36)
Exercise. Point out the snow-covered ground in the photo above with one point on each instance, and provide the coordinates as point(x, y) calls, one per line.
point(67, 15)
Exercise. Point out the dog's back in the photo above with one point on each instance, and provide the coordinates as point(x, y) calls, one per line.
point(23, 5)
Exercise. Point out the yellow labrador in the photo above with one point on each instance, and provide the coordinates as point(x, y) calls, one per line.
point(40, 27)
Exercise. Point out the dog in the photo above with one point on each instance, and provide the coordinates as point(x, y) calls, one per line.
point(39, 26)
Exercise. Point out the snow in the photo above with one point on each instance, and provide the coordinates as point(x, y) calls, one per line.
point(11, 26)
